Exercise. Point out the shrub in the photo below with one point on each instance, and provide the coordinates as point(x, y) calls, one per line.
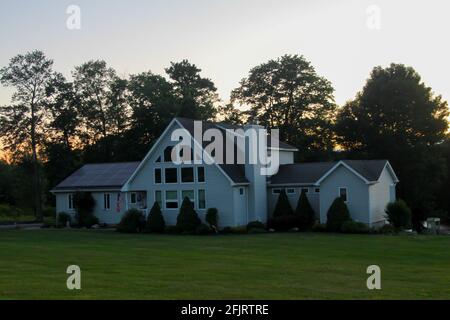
point(212, 217)
point(319, 227)
point(305, 212)
point(256, 230)
point(133, 221)
point(90, 221)
point(234, 230)
point(172, 230)
point(256, 225)
point(63, 218)
point(354, 227)
point(284, 223)
point(49, 212)
point(337, 215)
point(283, 207)
point(155, 220)
point(386, 229)
point(84, 205)
point(203, 229)
point(187, 220)
point(399, 214)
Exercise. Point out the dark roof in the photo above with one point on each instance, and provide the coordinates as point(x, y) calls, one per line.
point(99, 176)
point(310, 173)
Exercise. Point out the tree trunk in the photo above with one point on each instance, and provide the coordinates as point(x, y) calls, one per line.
point(36, 177)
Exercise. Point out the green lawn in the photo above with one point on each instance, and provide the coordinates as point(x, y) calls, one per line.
point(263, 266)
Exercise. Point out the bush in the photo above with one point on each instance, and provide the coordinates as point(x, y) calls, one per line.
point(49, 212)
point(305, 212)
point(63, 218)
point(319, 227)
point(84, 205)
point(172, 230)
point(234, 230)
point(337, 215)
point(283, 207)
point(155, 220)
point(354, 227)
point(386, 229)
point(133, 221)
point(212, 217)
point(256, 225)
point(284, 223)
point(203, 229)
point(256, 230)
point(187, 220)
point(399, 214)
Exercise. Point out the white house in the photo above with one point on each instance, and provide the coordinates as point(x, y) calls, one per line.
point(239, 191)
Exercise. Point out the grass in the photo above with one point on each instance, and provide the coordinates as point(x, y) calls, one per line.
point(264, 266)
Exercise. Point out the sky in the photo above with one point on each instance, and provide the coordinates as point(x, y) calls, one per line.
point(343, 39)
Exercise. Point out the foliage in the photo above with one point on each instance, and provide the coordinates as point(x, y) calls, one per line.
point(283, 207)
point(286, 93)
point(284, 223)
point(399, 214)
point(203, 229)
point(133, 221)
point(212, 217)
point(84, 205)
point(256, 225)
point(155, 220)
point(49, 212)
point(337, 214)
point(63, 218)
point(387, 229)
point(305, 212)
point(187, 220)
point(319, 227)
point(354, 227)
point(172, 230)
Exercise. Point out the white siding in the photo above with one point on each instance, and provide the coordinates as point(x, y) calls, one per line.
point(380, 195)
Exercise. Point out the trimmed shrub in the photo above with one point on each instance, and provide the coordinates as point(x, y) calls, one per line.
point(212, 218)
point(284, 223)
point(133, 221)
point(354, 227)
point(319, 227)
point(337, 215)
point(305, 212)
point(63, 218)
point(256, 225)
point(187, 220)
point(203, 229)
point(155, 220)
point(283, 207)
point(84, 205)
point(399, 214)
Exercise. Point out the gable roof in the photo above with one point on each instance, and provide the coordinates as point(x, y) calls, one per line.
point(98, 176)
point(315, 172)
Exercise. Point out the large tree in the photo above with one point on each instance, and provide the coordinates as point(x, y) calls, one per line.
point(21, 124)
point(286, 93)
point(197, 96)
point(397, 117)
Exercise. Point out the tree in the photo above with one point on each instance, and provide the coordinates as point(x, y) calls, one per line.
point(187, 220)
point(196, 95)
point(286, 93)
point(283, 207)
point(155, 220)
point(398, 214)
point(230, 114)
point(305, 212)
point(21, 124)
point(397, 117)
point(337, 214)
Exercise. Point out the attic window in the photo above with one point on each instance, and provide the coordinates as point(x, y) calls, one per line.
point(276, 191)
point(343, 194)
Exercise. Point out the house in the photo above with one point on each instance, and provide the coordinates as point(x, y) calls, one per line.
point(239, 190)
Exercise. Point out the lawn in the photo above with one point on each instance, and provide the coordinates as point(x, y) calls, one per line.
point(263, 266)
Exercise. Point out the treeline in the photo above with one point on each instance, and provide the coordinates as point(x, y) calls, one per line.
point(54, 125)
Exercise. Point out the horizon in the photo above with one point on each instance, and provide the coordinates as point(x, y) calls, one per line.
point(341, 46)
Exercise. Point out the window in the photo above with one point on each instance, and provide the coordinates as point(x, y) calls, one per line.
point(168, 154)
point(71, 206)
point(276, 191)
point(171, 175)
point(200, 174)
point(241, 191)
point(201, 199)
point(158, 176)
point(187, 175)
point(305, 190)
point(290, 190)
point(188, 194)
point(158, 198)
point(106, 201)
point(317, 190)
point(343, 194)
point(171, 200)
point(133, 197)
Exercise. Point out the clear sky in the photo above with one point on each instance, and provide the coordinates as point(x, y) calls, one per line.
point(226, 38)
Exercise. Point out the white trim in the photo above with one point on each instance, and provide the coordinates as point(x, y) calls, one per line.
point(85, 190)
point(131, 197)
point(172, 201)
point(109, 201)
point(346, 193)
point(161, 206)
point(388, 165)
point(198, 197)
point(196, 174)
point(335, 167)
point(70, 199)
